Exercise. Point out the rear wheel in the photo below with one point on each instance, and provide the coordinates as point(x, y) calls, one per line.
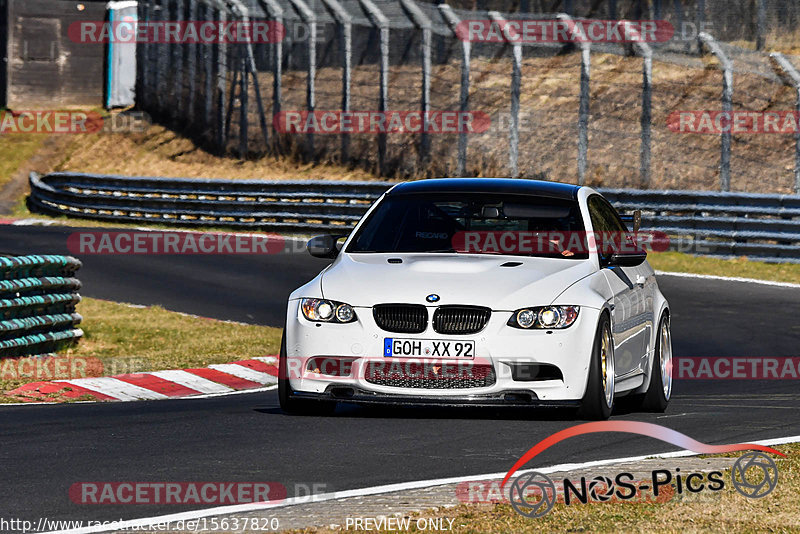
point(288, 403)
point(598, 401)
point(659, 392)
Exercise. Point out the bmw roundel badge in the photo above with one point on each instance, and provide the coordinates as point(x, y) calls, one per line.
point(433, 297)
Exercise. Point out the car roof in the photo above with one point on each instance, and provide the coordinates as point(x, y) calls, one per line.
point(518, 186)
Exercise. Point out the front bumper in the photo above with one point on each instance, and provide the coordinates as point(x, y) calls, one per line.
point(497, 345)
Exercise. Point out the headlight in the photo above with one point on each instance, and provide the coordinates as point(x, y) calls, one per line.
point(544, 318)
point(327, 311)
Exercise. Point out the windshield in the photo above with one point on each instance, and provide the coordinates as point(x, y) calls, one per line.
point(474, 223)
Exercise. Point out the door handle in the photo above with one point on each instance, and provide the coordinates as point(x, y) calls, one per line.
point(640, 280)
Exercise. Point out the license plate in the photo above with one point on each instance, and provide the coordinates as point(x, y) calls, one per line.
point(427, 348)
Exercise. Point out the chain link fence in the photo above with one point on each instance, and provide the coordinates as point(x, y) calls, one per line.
point(600, 114)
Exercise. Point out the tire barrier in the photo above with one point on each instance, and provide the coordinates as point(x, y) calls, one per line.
point(38, 296)
point(762, 227)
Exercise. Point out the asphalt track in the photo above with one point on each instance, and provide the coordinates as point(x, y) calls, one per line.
point(46, 449)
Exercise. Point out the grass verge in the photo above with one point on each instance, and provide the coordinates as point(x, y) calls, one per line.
point(15, 150)
point(126, 339)
point(739, 267)
point(723, 511)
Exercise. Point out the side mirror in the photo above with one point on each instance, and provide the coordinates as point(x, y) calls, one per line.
point(324, 246)
point(627, 259)
point(633, 220)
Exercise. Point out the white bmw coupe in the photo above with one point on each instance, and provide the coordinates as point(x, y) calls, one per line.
point(480, 292)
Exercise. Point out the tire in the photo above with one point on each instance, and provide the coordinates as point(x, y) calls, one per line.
point(659, 391)
point(598, 401)
point(288, 403)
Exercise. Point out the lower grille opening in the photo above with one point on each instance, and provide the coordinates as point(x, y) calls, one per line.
point(330, 366)
point(429, 375)
point(342, 393)
point(535, 372)
point(518, 397)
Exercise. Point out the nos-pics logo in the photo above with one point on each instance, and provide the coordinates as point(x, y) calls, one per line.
point(533, 494)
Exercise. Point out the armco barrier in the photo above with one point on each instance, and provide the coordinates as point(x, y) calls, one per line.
point(38, 295)
point(760, 226)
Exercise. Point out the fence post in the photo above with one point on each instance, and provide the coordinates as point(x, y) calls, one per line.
point(344, 23)
point(700, 18)
point(159, 14)
point(379, 20)
point(583, 105)
point(222, 74)
point(249, 67)
point(789, 72)
point(466, 49)
point(511, 36)
point(761, 24)
point(208, 71)
point(423, 23)
point(645, 118)
point(727, 107)
point(178, 67)
point(192, 64)
point(275, 13)
point(310, 18)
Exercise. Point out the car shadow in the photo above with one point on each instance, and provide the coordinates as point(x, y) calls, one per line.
point(355, 411)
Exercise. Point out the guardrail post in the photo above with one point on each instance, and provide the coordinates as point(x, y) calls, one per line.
point(790, 73)
point(727, 107)
point(466, 49)
point(516, 79)
point(379, 20)
point(423, 23)
point(345, 29)
point(310, 18)
point(645, 119)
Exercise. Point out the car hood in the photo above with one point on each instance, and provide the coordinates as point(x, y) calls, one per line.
point(482, 280)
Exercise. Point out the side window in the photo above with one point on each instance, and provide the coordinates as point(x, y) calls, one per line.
point(596, 214)
point(610, 232)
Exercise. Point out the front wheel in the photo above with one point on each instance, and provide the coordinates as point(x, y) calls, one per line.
point(598, 401)
point(659, 392)
point(288, 403)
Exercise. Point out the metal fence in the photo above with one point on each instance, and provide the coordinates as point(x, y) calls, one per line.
point(597, 115)
point(762, 227)
point(38, 295)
